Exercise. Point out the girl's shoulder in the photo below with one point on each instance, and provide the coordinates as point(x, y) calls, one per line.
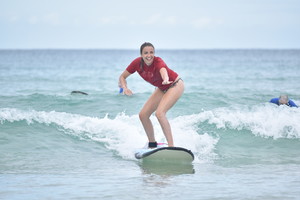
point(158, 59)
point(136, 60)
point(159, 62)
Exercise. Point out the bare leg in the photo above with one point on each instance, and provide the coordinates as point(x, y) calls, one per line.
point(166, 102)
point(147, 110)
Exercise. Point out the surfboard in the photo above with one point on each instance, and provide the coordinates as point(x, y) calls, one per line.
point(163, 153)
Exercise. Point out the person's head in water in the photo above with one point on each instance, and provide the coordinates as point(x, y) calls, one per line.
point(147, 51)
point(283, 100)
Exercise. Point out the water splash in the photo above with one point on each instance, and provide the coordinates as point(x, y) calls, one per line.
point(263, 120)
point(123, 134)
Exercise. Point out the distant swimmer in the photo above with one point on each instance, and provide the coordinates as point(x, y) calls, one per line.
point(283, 100)
point(79, 92)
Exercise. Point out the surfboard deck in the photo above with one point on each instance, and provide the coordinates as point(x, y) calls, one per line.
point(164, 153)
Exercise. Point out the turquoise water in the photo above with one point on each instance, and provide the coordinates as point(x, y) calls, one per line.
point(58, 145)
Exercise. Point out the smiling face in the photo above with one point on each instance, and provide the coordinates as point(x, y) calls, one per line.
point(148, 54)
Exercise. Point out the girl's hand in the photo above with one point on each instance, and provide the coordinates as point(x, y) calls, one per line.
point(166, 82)
point(164, 75)
point(127, 92)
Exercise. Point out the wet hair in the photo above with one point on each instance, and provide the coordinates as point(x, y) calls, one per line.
point(145, 44)
point(284, 97)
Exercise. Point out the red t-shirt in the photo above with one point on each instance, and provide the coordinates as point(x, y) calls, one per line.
point(151, 73)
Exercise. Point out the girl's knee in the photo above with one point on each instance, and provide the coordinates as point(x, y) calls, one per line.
point(160, 115)
point(143, 115)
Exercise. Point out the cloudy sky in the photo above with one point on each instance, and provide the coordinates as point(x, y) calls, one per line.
point(168, 24)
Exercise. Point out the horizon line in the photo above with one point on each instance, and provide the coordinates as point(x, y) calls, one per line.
point(168, 49)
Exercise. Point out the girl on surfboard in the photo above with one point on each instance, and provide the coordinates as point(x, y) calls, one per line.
point(169, 88)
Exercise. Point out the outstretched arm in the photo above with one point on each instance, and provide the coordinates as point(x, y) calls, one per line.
point(123, 83)
point(165, 77)
point(292, 104)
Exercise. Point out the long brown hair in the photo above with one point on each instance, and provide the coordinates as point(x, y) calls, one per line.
point(145, 44)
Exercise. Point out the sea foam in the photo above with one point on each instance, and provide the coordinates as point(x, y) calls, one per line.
point(123, 134)
point(266, 120)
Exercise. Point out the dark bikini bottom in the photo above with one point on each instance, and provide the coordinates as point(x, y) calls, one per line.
point(172, 85)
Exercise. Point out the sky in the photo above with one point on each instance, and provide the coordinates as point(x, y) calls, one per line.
point(168, 24)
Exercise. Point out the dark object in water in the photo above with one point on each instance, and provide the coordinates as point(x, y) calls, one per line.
point(79, 92)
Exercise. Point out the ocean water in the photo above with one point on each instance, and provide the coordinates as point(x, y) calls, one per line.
point(58, 145)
